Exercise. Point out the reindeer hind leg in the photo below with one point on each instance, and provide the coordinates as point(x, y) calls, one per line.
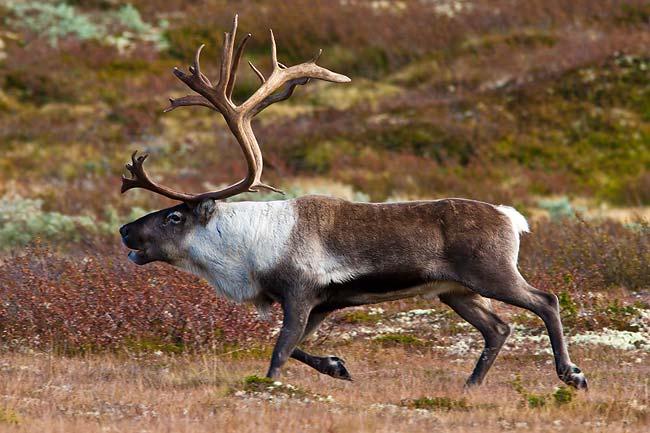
point(505, 284)
point(477, 311)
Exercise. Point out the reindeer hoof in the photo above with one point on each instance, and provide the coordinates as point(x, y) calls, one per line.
point(335, 367)
point(471, 384)
point(575, 377)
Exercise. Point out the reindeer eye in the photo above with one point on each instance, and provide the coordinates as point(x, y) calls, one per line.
point(174, 217)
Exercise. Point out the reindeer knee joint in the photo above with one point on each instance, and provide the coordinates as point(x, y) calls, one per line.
point(552, 301)
point(545, 300)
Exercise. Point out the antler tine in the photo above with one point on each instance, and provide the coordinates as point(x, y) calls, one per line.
point(186, 101)
point(287, 78)
point(197, 59)
point(227, 57)
point(274, 52)
point(225, 62)
point(218, 98)
point(280, 96)
point(195, 68)
point(257, 72)
point(235, 65)
point(317, 56)
point(279, 86)
point(140, 179)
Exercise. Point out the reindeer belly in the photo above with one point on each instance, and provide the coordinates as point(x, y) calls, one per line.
point(374, 288)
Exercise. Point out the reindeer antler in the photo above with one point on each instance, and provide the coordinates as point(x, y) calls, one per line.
point(277, 87)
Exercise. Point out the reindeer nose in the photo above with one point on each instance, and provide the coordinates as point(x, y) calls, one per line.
point(124, 230)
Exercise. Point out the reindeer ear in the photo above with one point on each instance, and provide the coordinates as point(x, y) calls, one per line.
point(204, 210)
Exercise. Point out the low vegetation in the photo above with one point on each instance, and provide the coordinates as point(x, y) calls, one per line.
point(393, 391)
point(94, 299)
point(94, 302)
point(437, 403)
point(494, 101)
point(560, 396)
point(541, 105)
point(398, 340)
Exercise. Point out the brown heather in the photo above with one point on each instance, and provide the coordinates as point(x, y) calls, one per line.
point(100, 301)
point(587, 257)
point(97, 300)
point(509, 101)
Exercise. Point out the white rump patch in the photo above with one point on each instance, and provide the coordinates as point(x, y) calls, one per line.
point(518, 221)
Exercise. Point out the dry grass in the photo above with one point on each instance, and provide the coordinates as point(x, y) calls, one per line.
point(183, 393)
point(504, 102)
point(165, 369)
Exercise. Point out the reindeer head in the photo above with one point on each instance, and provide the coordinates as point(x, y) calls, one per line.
point(160, 235)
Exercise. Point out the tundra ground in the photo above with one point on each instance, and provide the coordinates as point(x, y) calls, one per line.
point(404, 380)
point(539, 105)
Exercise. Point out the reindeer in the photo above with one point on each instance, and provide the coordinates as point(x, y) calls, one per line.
point(316, 254)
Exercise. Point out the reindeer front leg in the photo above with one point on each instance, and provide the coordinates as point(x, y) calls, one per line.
point(294, 323)
point(330, 365)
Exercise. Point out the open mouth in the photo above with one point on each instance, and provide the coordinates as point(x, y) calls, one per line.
point(139, 257)
point(136, 255)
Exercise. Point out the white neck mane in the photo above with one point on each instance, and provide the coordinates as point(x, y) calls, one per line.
point(240, 241)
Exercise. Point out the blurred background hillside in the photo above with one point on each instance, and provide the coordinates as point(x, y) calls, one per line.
point(544, 105)
point(504, 100)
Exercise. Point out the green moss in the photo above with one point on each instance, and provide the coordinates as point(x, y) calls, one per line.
point(358, 92)
point(568, 307)
point(264, 384)
point(591, 125)
point(422, 139)
point(360, 317)
point(9, 416)
point(324, 155)
point(237, 352)
point(368, 61)
point(437, 404)
point(321, 156)
point(528, 398)
point(417, 73)
point(255, 381)
point(536, 400)
point(622, 317)
point(185, 40)
point(563, 395)
point(528, 38)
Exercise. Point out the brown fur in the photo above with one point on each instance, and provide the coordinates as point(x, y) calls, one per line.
point(341, 253)
point(432, 237)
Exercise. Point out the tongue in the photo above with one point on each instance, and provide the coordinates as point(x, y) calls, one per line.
point(135, 257)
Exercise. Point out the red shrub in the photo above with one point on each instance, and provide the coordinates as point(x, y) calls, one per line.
point(99, 300)
point(581, 257)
